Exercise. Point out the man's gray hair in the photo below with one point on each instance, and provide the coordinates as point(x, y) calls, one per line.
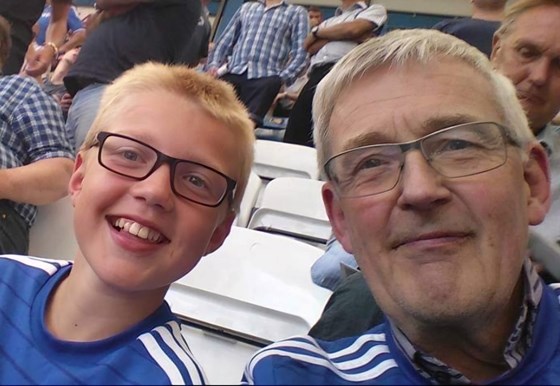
point(519, 7)
point(397, 49)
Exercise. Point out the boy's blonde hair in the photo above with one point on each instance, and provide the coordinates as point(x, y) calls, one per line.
point(217, 98)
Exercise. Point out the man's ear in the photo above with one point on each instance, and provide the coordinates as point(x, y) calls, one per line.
point(336, 216)
point(537, 177)
point(76, 180)
point(496, 46)
point(220, 233)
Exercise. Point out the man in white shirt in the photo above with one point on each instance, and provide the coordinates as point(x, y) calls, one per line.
point(328, 42)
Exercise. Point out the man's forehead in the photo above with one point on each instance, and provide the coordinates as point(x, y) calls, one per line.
point(376, 136)
point(539, 22)
point(416, 99)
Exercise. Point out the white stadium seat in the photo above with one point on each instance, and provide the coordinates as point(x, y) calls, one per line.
point(293, 207)
point(252, 191)
point(278, 159)
point(52, 234)
point(256, 286)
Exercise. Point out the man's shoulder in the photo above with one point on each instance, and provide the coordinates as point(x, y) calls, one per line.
point(17, 83)
point(465, 24)
point(295, 9)
point(362, 358)
point(444, 25)
point(251, 4)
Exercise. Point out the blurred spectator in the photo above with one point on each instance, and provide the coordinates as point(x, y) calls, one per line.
point(76, 32)
point(196, 51)
point(284, 101)
point(22, 15)
point(35, 156)
point(315, 16)
point(479, 29)
point(327, 43)
point(120, 37)
point(265, 41)
point(528, 53)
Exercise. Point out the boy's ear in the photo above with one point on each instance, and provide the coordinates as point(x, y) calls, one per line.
point(537, 177)
point(76, 180)
point(220, 233)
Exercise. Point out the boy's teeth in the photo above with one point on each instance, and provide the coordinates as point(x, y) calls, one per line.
point(143, 233)
point(137, 230)
point(134, 228)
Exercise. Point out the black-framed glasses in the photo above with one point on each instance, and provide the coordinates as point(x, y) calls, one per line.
point(457, 151)
point(191, 180)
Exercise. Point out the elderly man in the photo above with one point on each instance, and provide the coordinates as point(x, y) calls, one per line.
point(35, 156)
point(528, 53)
point(433, 178)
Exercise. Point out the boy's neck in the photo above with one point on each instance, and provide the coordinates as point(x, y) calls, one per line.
point(81, 310)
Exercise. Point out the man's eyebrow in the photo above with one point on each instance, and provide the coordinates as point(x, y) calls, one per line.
point(365, 139)
point(442, 122)
point(427, 127)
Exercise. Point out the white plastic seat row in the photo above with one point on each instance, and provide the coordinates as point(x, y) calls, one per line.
point(252, 193)
point(257, 285)
point(52, 235)
point(293, 207)
point(277, 159)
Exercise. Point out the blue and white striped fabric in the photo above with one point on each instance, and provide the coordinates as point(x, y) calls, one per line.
point(304, 360)
point(151, 352)
point(264, 41)
point(31, 129)
point(378, 357)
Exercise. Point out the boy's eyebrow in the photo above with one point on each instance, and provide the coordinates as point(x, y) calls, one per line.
point(430, 125)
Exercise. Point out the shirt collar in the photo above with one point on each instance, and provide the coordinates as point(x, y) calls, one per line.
point(517, 345)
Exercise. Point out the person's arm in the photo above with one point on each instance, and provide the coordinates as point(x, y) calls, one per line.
point(77, 32)
point(76, 39)
point(225, 44)
point(298, 55)
point(314, 45)
point(56, 33)
point(37, 122)
point(351, 30)
point(358, 30)
point(38, 183)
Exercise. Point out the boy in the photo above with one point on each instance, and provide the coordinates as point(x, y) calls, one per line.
point(155, 187)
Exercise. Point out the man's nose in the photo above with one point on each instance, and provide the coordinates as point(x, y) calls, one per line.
point(420, 185)
point(540, 71)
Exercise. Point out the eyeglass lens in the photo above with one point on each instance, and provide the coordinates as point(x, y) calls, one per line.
point(454, 152)
point(132, 158)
